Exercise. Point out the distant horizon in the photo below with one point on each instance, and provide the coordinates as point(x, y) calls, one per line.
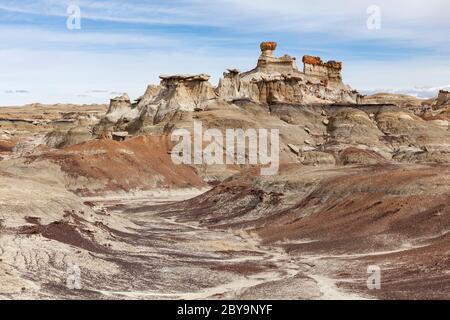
point(118, 47)
point(419, 93)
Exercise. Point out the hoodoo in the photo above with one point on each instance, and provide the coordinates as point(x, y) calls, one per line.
point(273, 80)
point(278, 80)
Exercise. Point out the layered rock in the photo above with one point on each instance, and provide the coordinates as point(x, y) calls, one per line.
point(267, 62)
point(443, 99)
point(319, 117)
point(273, 81)
point(315, 67)
point(278, 80)
point(120, 107)
point(184, 93)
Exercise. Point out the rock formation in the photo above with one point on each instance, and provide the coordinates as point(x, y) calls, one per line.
point(183, 93)
point(267, 62)
point(443, 99)
point(274, 80)
point(278, 80)
point(315, 67)
point(358, 184)
point(120, 107)
point(316, 112)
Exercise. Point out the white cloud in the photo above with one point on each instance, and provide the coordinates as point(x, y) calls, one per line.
point(57, 65)
point(319, 15)
point(65, 76)
point(28, 37)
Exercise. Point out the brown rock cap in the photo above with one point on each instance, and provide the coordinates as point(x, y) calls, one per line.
point(318, 62)
point(186, 77)
point(312, 60)
point(334, 64)
point(268, 46)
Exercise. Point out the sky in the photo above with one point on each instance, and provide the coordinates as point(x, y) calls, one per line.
point(122, 46)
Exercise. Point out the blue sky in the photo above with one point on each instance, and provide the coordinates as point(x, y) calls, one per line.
point(124, 45)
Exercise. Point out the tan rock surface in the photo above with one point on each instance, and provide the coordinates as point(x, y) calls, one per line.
point(361, 182)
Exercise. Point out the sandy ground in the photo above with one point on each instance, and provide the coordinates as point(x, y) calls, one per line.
point(231, 242)
point(182, 260)
point(236, 241)
point(350, 194)
point(277, 268)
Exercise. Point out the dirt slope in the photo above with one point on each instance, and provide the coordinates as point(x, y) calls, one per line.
point(394, 216)
point(139, 163)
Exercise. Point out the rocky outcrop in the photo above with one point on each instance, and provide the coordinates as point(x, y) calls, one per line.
point(120, 107)
point(183, 93)
point(315, 67)
point(278, 80)
point(273, 81)
point(176, 93)
point(230, 85)
point(443, 99)
point(267, 62)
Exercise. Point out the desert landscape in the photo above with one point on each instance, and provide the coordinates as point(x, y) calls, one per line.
point(92, 205)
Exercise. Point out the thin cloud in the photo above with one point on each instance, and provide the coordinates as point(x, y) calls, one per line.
point(123, 46)
point(345, 19)
point(17, 91)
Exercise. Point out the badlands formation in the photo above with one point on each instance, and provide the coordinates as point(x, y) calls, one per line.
point(92, 205)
